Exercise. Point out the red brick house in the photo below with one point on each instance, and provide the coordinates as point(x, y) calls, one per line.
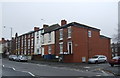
point(48, 39)
point(76, 42)
point(25, 44)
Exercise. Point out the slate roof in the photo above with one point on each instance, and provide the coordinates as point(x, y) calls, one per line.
point(27, 33)
point(78, 25)
point(51, 28)
point(102, 36)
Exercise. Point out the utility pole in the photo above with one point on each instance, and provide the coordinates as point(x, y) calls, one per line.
point(11, 32)
point(11, 40)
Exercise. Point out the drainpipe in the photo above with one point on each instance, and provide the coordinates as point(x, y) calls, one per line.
point(88, 43)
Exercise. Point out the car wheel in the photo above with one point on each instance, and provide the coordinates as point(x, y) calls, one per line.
point(112, 65)
point(96, 62)
point(105, 61)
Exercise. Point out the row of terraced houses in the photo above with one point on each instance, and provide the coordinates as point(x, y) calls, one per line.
point(73, 42)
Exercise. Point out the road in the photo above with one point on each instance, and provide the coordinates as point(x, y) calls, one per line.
point(35, 70)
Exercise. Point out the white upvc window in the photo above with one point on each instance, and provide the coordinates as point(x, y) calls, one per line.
point(49, 49)
point(37, 33)
point(25, 42)
point(28, 42)
point(69, 32)
point(112, 49)
point(61, 47)
point(42, 39)
point(61, 34)
point(42, 31)
point(28, 35)
point(49, 37)
point(25, 50)
point(69, 48)
point(32, 42)
point(89, 34)
point(32, 34)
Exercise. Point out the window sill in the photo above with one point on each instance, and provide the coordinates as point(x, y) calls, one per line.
point(61, 39)
point(49, 41)
point(69, 38)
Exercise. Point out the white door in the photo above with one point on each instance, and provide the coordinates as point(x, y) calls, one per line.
point(42, 51)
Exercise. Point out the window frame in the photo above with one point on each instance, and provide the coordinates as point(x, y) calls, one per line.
point(61, 34)
point(89, 33)
point(69, 32)
point(61, 49)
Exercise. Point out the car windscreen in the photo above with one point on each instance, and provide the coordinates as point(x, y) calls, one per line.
point(95, 57)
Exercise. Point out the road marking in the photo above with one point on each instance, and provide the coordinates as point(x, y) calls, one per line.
point(98, 75)
point(13, 68)
point(31, 74)
point(3, 65)
point(41, 65)
point(87, 67)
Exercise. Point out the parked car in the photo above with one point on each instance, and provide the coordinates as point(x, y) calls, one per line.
point(12, 57)
point(22, 58)
point(98, 59)
point(115, 61)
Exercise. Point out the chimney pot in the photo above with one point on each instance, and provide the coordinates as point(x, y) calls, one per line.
point(36, 28)
point(63, 22)
point(45, 26)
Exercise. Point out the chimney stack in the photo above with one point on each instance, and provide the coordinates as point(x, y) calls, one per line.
point(3, 39)
point(16, 35)
point(63, 22)
point(45, 26)
point(36, 28)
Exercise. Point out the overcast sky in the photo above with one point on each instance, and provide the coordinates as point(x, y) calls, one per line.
point(23, 16)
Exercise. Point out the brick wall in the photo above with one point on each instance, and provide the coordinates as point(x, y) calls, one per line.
point(83, 46)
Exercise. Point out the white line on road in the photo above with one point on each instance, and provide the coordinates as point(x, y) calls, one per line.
point(87, 67)
point(29, 73)
point(41, 65)
point(13, 68)
point(3, 65)
point(98, 75)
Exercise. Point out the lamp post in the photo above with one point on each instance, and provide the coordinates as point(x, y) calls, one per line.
point(11, 32)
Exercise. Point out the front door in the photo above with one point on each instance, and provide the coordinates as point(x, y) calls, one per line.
point(42, 51)
point(70, 47)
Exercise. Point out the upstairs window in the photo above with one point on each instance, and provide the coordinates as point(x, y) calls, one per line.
point(42, 31)
point(61, 34)
point(69, 32)
point(89, 34)
point(43, 39)
point(49, 37)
